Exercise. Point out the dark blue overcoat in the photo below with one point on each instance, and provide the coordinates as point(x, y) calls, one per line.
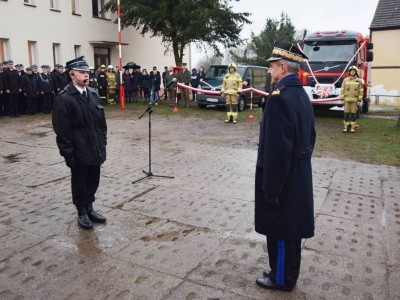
point(287, 138)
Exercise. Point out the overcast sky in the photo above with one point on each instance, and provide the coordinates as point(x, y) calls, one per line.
point(312, 15)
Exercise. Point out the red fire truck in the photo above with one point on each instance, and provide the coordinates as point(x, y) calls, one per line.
point(330, 54)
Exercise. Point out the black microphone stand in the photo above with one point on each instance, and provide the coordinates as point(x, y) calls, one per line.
point(149, 174)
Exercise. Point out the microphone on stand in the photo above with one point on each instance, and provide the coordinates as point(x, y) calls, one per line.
point(172, 81)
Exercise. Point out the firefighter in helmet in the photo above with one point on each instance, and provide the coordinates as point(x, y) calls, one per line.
point(102, 84)
point(351, 93)
point(231, 88)
point(111, 84)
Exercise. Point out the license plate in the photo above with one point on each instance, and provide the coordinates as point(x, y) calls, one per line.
point(212, 100)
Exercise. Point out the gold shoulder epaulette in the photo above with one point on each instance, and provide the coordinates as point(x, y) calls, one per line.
point(276, 92)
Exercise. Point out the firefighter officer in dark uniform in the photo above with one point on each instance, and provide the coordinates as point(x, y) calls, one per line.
point(13, 88)
point(79, 114)
point(60, 78)
point(46, 89)
point(284, 208)
point(2, 102)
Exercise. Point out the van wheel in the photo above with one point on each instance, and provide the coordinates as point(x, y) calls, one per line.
point(242, 103)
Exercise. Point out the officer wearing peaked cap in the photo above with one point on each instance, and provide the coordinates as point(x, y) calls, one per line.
point(78, 114)
point(283, 187)
point(60, 78)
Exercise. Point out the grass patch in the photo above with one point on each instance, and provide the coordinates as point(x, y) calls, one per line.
point(376, 142)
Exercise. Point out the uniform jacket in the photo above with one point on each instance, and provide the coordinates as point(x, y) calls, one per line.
point(352, 89)
point(46, 84)
point(30, 86)
point(80, 126)
point(12, 81)
point(102, 81)
point(60, 81)
point(93, 80)
point(287, 138)
point(1, 81)
point(232, 84)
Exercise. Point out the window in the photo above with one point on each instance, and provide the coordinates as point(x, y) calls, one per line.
point(32, 52)
point(77, 50)
point(56, 53)
point(97, 6)
point(3, 49)
point(54, 4)
point(75, 7)
point(29, 2)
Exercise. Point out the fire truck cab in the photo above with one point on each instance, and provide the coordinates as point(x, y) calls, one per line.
point(330, 54)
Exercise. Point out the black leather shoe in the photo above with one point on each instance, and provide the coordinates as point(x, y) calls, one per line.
point(96, 217)
point(267, 273)
point(267, 283)
point(84, 222)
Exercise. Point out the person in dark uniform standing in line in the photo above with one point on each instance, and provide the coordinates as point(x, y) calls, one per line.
point(39, 100)
point(60, 78)
point(2, 105)
point(30, 88)
point(284, 207)
point(46, 89)
point(13, 88)
point(78, 114)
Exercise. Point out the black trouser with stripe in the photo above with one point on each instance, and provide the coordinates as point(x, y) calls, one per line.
point(284, 260)
point(84, 182)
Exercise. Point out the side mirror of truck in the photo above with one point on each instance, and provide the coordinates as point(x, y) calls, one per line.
point(370, 46)
point(370, 56)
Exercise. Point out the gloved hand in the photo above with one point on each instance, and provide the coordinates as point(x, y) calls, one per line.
point(71, 162)
point(272, 200)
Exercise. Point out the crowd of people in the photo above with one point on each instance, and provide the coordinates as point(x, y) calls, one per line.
point(141, 84)
point(29, 91)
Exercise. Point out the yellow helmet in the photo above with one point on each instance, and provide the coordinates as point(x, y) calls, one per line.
point(232, 65)
point(354, 68)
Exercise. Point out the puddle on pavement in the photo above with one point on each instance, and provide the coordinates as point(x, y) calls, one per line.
point(12, 158)
point(38, 134)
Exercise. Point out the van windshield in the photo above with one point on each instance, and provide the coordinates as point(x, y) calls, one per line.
point(218, 72)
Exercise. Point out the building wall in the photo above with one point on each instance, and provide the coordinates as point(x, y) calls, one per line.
point(385, 71)
point(20, 23)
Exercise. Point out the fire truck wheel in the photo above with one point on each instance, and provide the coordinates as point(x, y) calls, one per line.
point(365, 106)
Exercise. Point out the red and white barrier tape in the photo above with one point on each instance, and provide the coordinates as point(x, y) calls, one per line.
point(216, 93)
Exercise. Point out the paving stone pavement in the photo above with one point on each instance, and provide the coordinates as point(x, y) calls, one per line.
point(190, 237)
